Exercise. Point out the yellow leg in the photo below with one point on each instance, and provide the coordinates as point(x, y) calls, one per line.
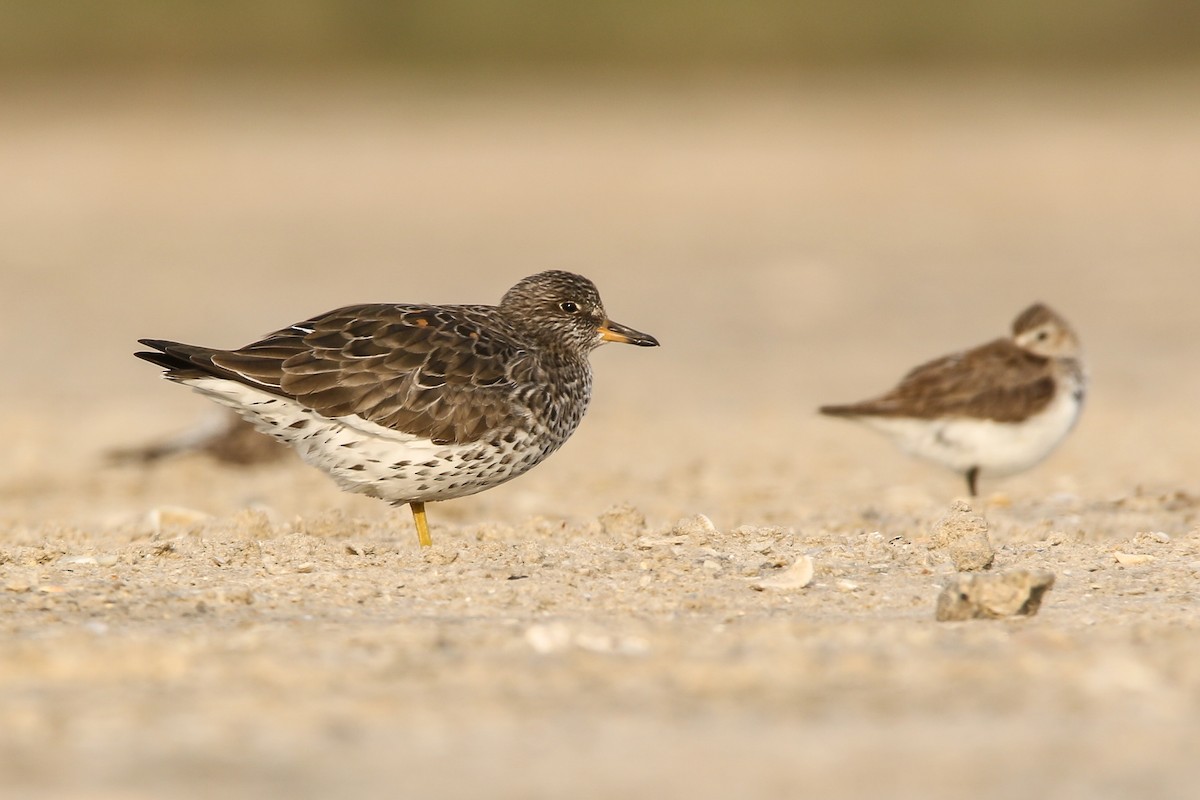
point(418, 510)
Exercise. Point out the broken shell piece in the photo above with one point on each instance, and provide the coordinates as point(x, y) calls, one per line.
point(797, 576)
point(692, 526)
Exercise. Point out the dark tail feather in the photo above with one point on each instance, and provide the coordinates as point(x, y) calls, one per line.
point(185, 362)
point(840, 411)
point(181, 361)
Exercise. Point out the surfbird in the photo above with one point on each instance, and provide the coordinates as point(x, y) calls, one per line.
point(996, 409)
point(417, 403)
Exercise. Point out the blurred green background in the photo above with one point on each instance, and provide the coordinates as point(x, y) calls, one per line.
point(663, 34)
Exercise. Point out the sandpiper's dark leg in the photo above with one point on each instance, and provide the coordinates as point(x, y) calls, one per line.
point(972, 476)
point(418, 512)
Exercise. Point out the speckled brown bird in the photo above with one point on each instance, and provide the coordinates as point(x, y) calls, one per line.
point(417, 403)
point(996, 409)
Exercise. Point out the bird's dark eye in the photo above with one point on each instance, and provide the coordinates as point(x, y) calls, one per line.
point(569, 307)
point(1043, 336)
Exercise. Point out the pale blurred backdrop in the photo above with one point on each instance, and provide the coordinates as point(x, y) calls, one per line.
point(800, 199)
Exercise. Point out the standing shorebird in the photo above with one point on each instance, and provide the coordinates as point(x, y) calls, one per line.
point(417, 403)
point(996, 409)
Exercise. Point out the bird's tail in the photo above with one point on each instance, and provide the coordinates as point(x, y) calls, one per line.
point(840, 411)
point(182, 362)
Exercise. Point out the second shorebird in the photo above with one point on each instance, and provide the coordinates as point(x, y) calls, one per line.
point(996, 409)
point(416, 403)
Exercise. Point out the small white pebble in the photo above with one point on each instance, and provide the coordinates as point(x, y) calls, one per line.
point(632, 646)
point(847, 586)
point(163, 516)
point(1132, 559)
point(77, 560)
point(546, 639)
point(595, 642)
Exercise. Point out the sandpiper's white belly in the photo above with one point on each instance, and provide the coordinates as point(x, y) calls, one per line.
point(370, 459)
point(996, 448)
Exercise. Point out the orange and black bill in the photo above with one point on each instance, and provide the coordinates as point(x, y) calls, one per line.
point(615, 332)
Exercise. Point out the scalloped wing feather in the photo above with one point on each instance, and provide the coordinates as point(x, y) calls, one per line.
point(442, 374)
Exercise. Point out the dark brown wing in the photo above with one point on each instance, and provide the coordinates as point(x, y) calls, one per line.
point(439, 372)
point(997, 381)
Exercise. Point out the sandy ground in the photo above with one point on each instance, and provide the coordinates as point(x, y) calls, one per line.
point(189, 629)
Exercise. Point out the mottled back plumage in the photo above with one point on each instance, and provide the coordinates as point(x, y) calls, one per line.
point(1018, 384)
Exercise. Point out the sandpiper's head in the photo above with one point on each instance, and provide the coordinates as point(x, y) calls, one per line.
point(563, 308)
point(1041, 331)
